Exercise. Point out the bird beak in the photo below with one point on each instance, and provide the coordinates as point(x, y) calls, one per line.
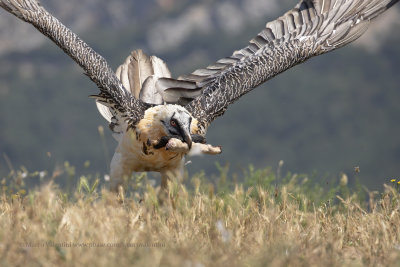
point(188, 139)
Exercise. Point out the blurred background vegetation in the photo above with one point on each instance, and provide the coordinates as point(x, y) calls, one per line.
point(329, 115)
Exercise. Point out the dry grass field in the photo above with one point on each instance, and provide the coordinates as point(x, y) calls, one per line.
point(290, 224)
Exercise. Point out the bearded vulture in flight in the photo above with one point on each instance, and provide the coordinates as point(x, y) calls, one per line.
point(157, 119)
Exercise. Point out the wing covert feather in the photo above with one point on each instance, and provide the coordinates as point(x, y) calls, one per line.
point(311, 28)
point(112, 93)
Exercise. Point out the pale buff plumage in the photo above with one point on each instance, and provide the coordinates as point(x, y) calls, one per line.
point(135, 153)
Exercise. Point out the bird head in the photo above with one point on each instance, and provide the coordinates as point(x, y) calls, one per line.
point(176, 121)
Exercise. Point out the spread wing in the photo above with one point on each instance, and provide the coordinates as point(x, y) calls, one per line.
point(124, 107)
point(312, 28)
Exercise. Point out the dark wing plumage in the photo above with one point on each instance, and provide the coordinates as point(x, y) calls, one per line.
point(112, 93)
point(312, 28)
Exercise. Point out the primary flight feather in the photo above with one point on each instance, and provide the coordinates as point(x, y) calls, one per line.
point(156, 119)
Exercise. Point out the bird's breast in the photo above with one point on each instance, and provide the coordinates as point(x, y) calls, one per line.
point(139, 155)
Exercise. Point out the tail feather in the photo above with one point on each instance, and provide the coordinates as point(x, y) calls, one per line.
point(137, 69)
point(139, 74)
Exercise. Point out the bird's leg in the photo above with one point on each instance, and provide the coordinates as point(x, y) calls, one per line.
point(168, 178)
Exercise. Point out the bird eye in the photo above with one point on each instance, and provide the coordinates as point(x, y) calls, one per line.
point(173, 123)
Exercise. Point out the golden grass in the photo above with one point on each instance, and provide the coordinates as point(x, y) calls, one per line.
point(255, 227)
